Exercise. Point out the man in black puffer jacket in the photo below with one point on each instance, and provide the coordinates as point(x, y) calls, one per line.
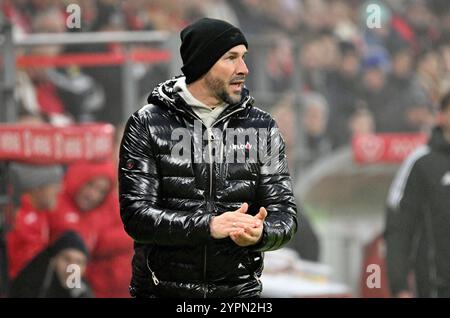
point(204, 182)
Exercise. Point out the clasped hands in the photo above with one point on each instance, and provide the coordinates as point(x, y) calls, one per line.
point(244, 229)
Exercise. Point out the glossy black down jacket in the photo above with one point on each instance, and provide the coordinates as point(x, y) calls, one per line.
point(167, 202)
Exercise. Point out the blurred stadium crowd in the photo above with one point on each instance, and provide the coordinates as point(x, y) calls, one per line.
point(316, 65)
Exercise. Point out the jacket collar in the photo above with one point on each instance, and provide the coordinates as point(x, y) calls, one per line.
point(164, 94)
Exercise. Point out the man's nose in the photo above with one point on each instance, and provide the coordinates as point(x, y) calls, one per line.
point(242, 67)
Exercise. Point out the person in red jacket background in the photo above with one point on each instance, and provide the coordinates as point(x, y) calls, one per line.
point(110, 270)
point(89, 205)
point(80, 204)
point(37, 189)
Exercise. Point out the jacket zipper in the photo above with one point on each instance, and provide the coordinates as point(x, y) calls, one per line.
point(210, 138)
point(154, 278)
point(204, 273)
point(222, 141)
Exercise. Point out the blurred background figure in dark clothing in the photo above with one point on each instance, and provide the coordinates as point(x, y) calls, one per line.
point(56, 272)
point(417, 218)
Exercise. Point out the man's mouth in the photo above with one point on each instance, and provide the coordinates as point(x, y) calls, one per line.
point(237, 85)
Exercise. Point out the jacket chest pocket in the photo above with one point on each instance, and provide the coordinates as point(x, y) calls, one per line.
point(241, 171)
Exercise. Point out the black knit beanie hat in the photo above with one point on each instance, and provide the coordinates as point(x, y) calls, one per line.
point(204, 42)
point(69, 239)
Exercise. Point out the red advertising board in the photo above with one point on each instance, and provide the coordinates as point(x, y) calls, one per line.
point(385, 148)
point(46, 144)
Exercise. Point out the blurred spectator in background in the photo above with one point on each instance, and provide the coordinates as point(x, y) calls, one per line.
point(312, 141)
point(316, 16)
point(85, 190)
point(252, 16)
point(429, 73)
point(319, 56)
point(108, 17)
point(392, 28)
point(12, 193)
point(285, 112)
point(67, 90)
point(16, 16)
point(35, 90)
point(81, 96)
point(49, 274)
point(280, 64)
point(422, 23)
point(361, 121)
point(344, 24)
point(89, 205)
point(375, 66)
point(36, 190)
point(418, 220)
point(407, 106)
point(343, 92)
point(304, 135)
point(444, 82)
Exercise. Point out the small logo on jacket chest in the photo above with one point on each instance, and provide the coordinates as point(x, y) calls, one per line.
point(247, 146)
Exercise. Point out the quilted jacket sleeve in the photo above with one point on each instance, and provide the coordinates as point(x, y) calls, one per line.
point(145, 220)
point(274, 192)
